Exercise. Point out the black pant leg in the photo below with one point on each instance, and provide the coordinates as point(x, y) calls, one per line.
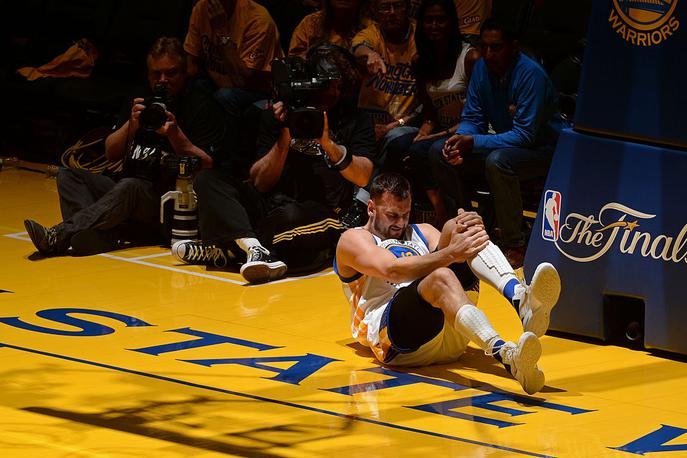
point(302, 234)
point(130, 199)
point(79, 189)
point(227, 207)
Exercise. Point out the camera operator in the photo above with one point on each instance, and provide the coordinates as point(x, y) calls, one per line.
point(175, 120)
point(298, 186)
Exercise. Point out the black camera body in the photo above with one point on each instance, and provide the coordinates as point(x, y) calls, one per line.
point(303, 92)
point(146, 152)
point(154, 115)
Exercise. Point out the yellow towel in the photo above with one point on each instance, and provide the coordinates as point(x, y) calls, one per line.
point(77, 61)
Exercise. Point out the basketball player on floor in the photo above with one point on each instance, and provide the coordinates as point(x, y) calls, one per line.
point(411, 309)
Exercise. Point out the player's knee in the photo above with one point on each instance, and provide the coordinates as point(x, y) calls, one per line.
point(449, 226)
point(443, 278)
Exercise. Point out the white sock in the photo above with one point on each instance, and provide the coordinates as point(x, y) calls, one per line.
point(491, 266)
point(474, 324)
point(247, 243)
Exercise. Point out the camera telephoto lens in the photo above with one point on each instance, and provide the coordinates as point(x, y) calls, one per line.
point(306, 123)
point(154, 115)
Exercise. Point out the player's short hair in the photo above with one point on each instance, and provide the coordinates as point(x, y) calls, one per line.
point(395, 184)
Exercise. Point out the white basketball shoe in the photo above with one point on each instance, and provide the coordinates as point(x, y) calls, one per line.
point(521, 360)
point(538, 298)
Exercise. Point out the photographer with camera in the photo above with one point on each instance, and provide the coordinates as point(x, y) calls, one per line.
point(174, 120)
point(313, 148)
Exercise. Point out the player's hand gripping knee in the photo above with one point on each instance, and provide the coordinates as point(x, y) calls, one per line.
point(465, 220)
point(466, 244)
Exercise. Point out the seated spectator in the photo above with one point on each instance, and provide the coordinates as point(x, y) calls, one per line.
point(336, 23)
point(471, 14)
point(288, 210)
point(287, 14)
point(95, 207)
point(443, 68)
point(233, 42)
point(386, 49)
point(511, 94)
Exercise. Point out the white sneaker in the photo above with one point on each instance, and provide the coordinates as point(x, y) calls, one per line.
point(192, 252)
point(261, 266)
point(522, 360)
point(539, 298)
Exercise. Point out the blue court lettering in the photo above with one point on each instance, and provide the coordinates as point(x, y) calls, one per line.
point(398, 379)
point(86, 328)
point(486, 402)
point(308, 364)
point(305, 366)
point(653, 442)
point(206, 339)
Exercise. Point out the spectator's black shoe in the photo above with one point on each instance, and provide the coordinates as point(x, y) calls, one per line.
point(192, 252)
point(44, 239)
point(356, 215)
point(92, 241)
point(261, 266)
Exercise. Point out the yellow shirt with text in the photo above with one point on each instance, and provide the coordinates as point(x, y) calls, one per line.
point(393, 94)
point(250, 31)
point(310, 32)
point(471, 13)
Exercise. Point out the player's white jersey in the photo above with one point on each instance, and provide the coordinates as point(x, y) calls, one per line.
point(369, 296)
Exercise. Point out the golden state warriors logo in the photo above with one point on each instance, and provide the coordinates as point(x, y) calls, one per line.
point(644, 22)
point(401, 250)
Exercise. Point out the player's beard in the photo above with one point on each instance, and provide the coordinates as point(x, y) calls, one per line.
point(387, 232)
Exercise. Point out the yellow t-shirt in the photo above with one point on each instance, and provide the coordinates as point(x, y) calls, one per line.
point(250, 29)
point(393, 93)
point(309, 32)
point(471, 13)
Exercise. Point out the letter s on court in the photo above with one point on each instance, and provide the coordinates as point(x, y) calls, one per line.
point(86, 328)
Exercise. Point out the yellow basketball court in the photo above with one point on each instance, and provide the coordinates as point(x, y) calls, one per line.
point(130, 354)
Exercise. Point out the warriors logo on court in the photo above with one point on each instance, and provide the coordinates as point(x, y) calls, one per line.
point(644, 22)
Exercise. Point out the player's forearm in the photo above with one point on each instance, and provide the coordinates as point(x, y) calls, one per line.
point(413, 267)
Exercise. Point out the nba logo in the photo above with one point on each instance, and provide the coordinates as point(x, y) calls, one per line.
point(552, 215)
